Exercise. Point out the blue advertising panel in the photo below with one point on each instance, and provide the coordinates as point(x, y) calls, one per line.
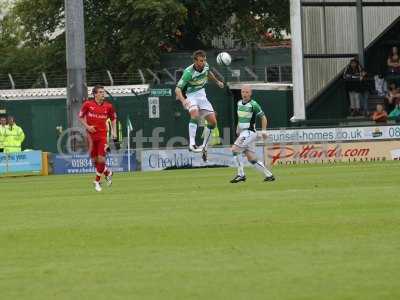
point(81, 163)
point(27, 162)
point(160, 159)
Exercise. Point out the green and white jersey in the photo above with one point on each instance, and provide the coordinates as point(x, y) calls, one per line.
point(247, 113)
point(192, 80)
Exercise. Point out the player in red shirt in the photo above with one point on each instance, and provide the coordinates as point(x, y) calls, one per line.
point(93, 115)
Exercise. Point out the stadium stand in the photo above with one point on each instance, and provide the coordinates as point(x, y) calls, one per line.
point(329, 44)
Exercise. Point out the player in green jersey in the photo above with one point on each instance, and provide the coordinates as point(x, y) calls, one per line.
point(248, 110)
point(193, 81)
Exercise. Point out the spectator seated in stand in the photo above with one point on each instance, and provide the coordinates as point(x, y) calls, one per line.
point(393, 62)
point(392, 97)
point(379, 115)
point(395, 114)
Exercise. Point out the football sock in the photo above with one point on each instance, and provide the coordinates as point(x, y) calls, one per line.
point(238, 162)
point(106, 171)
point(207, 135)
point(261, 168)
point(99, 170)
point(192, 131)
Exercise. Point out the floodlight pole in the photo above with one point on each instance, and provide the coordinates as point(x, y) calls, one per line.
point(76, 60)
point(299, 111)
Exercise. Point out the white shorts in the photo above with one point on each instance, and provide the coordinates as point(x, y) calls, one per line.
point(198, 100)
point(246, 141)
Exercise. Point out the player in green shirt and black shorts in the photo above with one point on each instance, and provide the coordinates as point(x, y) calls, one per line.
point(193, 81)
point(248, 110)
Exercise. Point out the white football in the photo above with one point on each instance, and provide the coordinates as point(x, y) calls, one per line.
point(224, 58)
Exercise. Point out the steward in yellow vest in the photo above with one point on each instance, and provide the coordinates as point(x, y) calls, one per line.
point(3, 127)
point(14, 137)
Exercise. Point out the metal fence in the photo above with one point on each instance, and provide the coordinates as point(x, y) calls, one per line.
point(268, 73)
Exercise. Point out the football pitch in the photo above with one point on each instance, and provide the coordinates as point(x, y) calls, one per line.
point(318, 232)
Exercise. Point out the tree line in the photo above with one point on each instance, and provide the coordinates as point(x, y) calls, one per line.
point(123, 35)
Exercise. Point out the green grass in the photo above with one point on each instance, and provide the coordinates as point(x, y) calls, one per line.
point(318, 232)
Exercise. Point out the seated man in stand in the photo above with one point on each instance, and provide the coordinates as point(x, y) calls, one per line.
point(379, 115)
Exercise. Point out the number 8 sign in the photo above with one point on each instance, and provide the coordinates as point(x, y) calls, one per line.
point(154, 108)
